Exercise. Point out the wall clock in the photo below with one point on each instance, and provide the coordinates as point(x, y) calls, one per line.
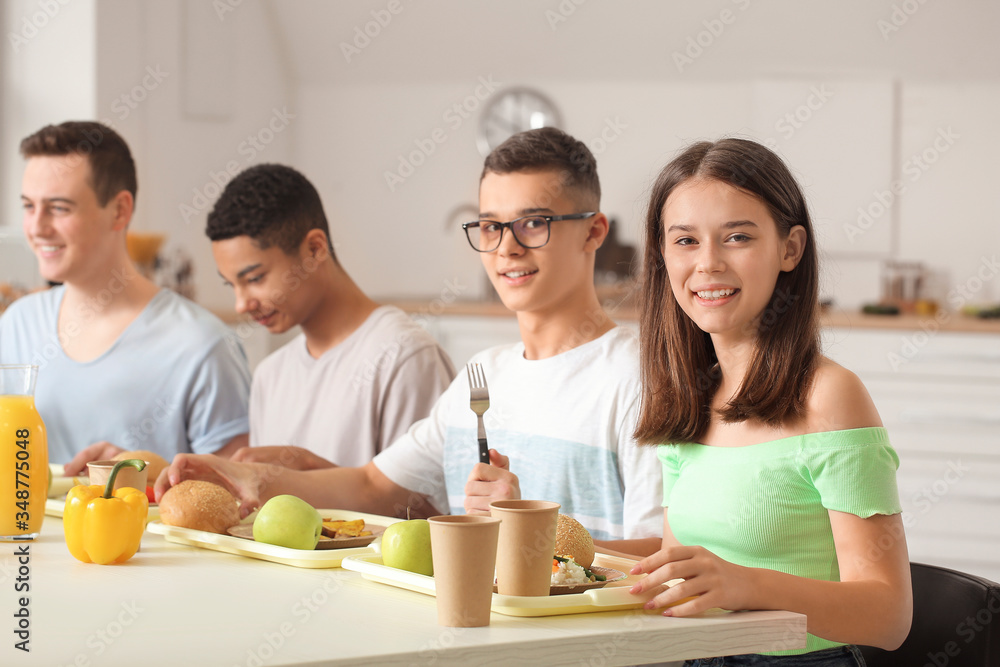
point(511, 111)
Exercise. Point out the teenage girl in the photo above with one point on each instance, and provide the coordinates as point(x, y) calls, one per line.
point(779, 483)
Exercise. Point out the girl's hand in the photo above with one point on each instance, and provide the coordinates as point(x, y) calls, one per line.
point(708, 580)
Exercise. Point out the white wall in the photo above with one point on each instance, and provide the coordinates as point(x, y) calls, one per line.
point(186, 88)
point(950, 213)
point(49, 74)
point(192, 136)
point(221, 75)
point(900, 73)
point(399, 239)
point(403, 238)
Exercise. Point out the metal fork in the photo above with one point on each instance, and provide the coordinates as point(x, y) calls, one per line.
point(480, 403)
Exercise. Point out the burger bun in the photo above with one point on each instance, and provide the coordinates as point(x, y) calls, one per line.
point(573, 540)
point(199, 505)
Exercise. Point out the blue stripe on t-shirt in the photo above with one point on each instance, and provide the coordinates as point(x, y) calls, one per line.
point(583, 479)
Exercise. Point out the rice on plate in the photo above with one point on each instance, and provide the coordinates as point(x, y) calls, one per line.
point(566, 571)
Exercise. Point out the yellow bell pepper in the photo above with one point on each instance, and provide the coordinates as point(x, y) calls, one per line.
point(104, 527)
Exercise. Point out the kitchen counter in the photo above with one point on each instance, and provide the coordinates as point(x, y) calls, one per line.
point(175, 604)
point(943, 321)
point(464, 328)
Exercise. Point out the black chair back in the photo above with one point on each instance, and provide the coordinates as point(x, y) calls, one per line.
point(956, 622)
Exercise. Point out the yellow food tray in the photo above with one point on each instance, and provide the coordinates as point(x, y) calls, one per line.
point(321, 558)
point(61, 485)
point(614, 596)
point(56, 507)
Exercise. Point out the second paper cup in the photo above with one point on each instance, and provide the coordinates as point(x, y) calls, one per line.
point(526, 546)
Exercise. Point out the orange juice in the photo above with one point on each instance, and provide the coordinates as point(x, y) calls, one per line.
point(24, 468)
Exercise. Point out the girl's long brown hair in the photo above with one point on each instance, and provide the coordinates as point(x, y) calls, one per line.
point(678, 362)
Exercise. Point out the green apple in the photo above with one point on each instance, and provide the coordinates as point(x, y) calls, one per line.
point(288, 521)
point(407, 546)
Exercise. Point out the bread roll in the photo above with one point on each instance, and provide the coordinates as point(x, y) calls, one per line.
point(154, 462)
point(573, 540)
point(199, 505)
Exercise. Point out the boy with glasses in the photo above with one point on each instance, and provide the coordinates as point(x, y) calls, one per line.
point(563, 401)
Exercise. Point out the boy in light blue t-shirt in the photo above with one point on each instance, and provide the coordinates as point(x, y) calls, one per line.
point(123, 364)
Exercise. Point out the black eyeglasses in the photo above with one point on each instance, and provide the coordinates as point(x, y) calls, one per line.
point(531, 231)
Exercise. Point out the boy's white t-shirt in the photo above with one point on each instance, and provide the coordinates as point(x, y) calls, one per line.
point(566, 424)
point(357, 398)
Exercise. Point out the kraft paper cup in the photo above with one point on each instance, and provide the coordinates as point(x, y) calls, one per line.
point(464, 549)
point(127, 476)
point(526, 545)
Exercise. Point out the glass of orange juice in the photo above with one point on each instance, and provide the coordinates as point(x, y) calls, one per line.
point(24, 456)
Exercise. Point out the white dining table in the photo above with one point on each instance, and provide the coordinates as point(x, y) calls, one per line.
point(173, 604)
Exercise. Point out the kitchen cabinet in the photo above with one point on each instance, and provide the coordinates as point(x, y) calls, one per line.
point(938, 394)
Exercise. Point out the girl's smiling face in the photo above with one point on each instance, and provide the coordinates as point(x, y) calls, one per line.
point(723, 254)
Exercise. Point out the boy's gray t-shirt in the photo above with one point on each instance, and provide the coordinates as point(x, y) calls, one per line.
point(357, 398)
